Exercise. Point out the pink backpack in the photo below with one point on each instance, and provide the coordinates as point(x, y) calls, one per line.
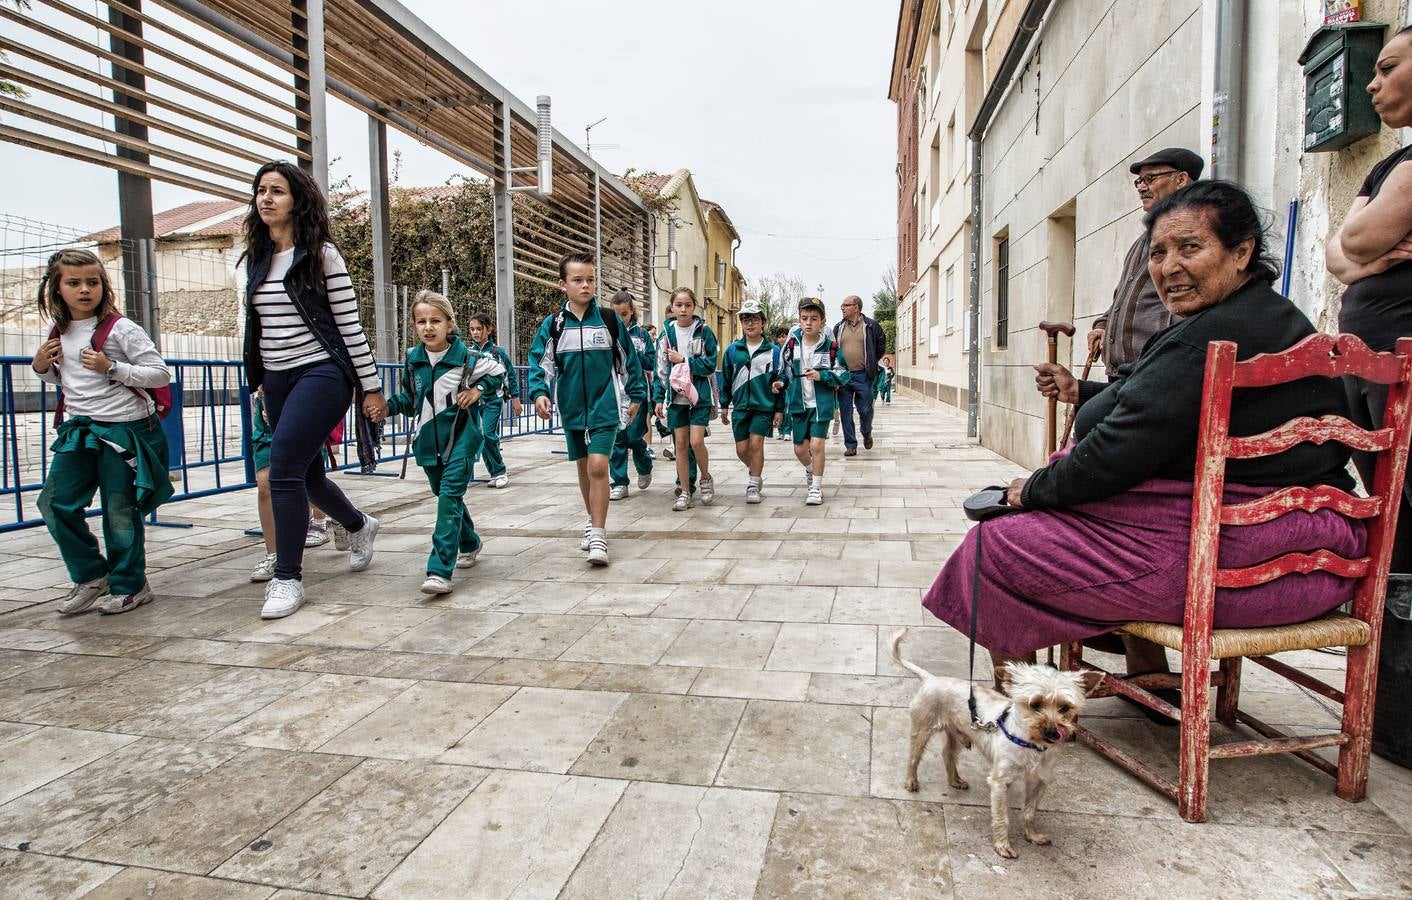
point(161, 397)
point(682, 382)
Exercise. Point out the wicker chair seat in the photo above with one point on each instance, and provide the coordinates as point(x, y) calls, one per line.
point(1332, 630)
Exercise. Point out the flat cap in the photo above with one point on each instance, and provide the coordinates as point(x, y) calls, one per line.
point(1179, 158)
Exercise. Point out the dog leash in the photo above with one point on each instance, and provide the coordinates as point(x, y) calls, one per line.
point(971, 660)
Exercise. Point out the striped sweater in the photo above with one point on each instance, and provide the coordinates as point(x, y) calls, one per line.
point(287, 342)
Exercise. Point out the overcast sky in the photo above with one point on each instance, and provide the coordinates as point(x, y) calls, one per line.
point(778, 108)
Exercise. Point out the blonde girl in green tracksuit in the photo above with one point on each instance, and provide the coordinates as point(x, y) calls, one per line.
point(750, 367)
point(482, 334)
point(813, 370)
point(686, 338)
point(443, 382)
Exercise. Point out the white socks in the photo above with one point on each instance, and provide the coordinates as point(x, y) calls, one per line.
point(816, 481)
point(754, 481)
point(596, 533)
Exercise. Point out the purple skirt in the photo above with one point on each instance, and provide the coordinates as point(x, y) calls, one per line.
point(1051, 576)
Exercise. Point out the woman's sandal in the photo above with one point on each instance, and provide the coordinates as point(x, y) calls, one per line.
point(1170, 695)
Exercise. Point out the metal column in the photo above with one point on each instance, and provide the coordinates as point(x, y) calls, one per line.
point(134, 191)
point(308, 16)
point(504, 236)
point(384, 296)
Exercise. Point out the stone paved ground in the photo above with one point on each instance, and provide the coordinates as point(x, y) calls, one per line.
point(712, 716)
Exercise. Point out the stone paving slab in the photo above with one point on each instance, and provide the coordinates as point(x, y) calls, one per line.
point(713, 715)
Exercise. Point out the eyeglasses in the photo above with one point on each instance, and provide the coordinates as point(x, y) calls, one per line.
point(1143, 181)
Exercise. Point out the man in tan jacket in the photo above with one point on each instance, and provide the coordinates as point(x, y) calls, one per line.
point(1137, 313)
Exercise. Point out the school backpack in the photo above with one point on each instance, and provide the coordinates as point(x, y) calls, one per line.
point(161, 397)
point(610, 319)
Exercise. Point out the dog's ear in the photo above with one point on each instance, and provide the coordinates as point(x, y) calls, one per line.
point(1090, 679)
point(1004, 675)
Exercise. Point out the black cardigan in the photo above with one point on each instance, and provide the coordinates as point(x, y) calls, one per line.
point(1144, 425)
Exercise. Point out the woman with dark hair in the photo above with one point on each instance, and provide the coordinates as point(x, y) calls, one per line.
point(306, 354)
point(1104, 537)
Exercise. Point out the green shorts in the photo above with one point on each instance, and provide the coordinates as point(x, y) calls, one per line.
point(745, 422)
point(593, 440)
point(810, 426)
point(680, 416)
point(260, 449)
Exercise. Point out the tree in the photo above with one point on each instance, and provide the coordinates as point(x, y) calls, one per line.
point(778, 296)
point(885, 306)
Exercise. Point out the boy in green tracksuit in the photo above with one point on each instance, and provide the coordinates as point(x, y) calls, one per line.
point(882, 387)
point(443, 382)
point(583, 354)
point(786, 424)
point(812, 371)
point(687, 341)
point(482, 334)
point(750, 367)
point(634, 436)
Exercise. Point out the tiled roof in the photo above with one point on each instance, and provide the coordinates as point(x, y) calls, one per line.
point(713, 207)
point(652, 182)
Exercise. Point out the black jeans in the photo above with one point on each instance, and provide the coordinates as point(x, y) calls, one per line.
point(1366, 402)
point(303, 406)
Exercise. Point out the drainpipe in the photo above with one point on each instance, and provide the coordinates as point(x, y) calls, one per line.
point(1227, 100)
point(1019, 45)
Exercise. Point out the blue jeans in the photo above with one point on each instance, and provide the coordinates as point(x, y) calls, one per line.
point(859, 391)
point(303, 406)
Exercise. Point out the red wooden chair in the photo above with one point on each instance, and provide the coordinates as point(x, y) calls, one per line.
point(1199, 644)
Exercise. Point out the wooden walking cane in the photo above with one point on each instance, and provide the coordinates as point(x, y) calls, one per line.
point(1074, 408)
point(1053, 330)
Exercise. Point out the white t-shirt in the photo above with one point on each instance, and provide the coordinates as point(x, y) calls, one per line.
point(437, 356)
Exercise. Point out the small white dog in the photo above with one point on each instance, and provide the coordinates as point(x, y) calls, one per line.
point(1035, 715)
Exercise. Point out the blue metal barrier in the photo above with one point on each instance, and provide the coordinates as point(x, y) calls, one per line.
point(208, 431)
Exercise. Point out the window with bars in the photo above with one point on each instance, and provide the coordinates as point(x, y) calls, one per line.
point(1002, 294)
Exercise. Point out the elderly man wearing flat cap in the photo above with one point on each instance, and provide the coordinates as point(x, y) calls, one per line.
point(1137, 313)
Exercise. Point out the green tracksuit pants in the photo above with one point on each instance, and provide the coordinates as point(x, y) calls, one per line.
point(633, 438)
point(68, 490)
point(490, 412)
point(454, 531)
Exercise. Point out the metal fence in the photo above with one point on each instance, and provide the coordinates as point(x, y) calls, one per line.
point(207, 433)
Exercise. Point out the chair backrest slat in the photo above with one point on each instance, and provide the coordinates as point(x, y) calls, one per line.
point(1272, 506)
point(1289, 564)
point(1315, 431)
point(1321, 355)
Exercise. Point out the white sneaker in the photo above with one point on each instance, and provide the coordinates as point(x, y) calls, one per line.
point(282, 597)
point(617, 492)
point(835, 427)
point(265, 570)
point(816, 497)
point(121, 603)
point(82, 596)
point(669, 454)
point(808, 477)
point(752, 494)
point(708, 490)
point(340, 537)
point(435, 584)
point(360, 544)
point(762, 485)
point(317, 535)
point(466, 560)
point(682, 502)
point(644, 481)
point(499, 481)
point(587, 530)
point(598, 552)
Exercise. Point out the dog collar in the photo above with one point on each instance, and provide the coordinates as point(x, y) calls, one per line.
point(1018, 741)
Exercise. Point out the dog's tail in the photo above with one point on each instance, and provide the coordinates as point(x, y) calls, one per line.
point(896, 646)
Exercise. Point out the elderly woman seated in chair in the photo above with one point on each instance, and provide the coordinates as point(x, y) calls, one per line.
point(1104, 539)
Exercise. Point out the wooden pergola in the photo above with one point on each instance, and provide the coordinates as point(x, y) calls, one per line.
point(198, 93)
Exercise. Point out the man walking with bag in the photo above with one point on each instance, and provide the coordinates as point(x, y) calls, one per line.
point(863, 342)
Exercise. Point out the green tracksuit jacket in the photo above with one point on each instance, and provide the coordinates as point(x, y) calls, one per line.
point(700, 356)
point(430, 392)
point(586, 369)
point(747, 377)
point(510, 386)
point(825, 357)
